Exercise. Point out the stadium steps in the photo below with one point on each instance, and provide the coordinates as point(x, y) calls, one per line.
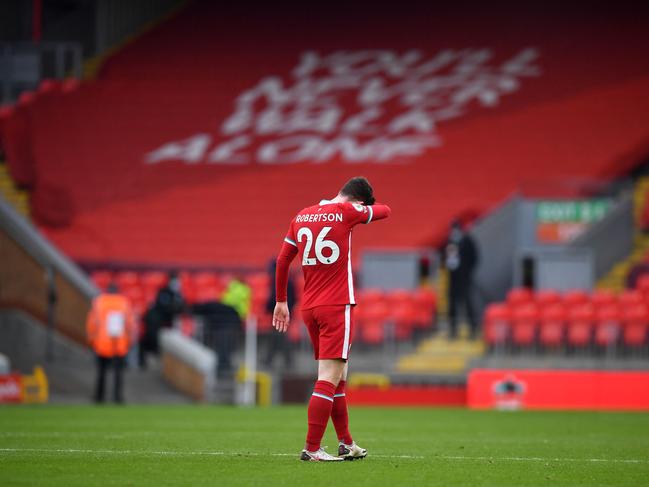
point(19, 199)
point(438, 355)
point(615, 280)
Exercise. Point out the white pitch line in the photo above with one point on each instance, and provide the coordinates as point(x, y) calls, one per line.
point(541, 459)
point(254, 454)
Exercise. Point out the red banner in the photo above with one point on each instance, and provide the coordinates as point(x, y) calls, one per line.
point(10, 388)
point(558, 389)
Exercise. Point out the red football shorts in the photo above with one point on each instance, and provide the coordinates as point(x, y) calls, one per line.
point(331, 329)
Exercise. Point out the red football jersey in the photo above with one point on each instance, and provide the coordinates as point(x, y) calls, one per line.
point(321, 236)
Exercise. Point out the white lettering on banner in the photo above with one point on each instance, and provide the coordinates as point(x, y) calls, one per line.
point(355, 106)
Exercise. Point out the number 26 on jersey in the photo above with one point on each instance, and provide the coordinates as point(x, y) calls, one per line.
point(320, 245)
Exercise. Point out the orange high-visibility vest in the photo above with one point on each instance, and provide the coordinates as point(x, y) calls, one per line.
point(110, 325)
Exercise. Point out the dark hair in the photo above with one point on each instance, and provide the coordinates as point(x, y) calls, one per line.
point(359, 189)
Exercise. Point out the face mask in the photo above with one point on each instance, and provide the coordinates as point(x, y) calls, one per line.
point(174, 284)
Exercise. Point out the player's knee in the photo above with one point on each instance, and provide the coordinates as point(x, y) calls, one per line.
point(331, 371)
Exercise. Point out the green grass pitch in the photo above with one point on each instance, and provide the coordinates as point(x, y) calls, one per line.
point(213, 445)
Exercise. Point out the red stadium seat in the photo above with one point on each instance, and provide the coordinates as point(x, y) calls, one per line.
point(207, 293)
point(126, 279)
point(631, 297)
point(154, 280)
point(258, 280)
point(497, 324)
point(580, 325)
point(101, 279)
point(636, 326)
point(519, 296)
point(206, 278)
point(134, 293)
point(552, 326)
point(404, 318)
point(187, 326)
point(525, 320)
point(603, 297)
point(547, 297)
point(372, 321)
point(399, 299)
point(575, 297)
point(643, 284)
point(371, 296)
point(425, 303)
point(608, 323)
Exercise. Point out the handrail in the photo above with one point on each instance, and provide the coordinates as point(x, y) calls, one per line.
point(41, 250)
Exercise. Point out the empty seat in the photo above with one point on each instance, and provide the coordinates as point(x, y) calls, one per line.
point(153, 280)
point(547, 297)
point(579, 331)
point(636, 325)
point(608, 323)
point(603, 297)
point(126, 279)
point(497, 324)
point(371, 296)
point(372, 318)
point(519, 295)
point(642, 284)
point(575, 297)
point(631, 297)
point(552, 325)
point(206, 278)
point(101, 279)
point(525, 320)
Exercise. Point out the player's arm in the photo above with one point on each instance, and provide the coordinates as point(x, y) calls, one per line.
point(378, 211)
point(281, 316)
point(358, 213)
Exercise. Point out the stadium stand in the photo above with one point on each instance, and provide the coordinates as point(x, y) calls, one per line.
point(602, 321)
point(105, 191)
point(192, 148)
point(397, 315)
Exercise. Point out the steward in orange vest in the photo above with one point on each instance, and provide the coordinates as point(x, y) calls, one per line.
point(111, 332)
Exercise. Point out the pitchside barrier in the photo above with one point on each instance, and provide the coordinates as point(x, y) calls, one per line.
point(187, 365)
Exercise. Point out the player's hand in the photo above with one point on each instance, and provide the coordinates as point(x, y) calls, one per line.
point(281, 317)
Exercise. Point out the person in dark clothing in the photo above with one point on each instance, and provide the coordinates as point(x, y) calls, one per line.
point(221, 328)
point(278, 341)
point(461, 259)
point(168, 304)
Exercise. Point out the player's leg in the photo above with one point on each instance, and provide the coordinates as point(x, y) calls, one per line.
point(339, 414)
point(329, 373)
point(320, 404)
point(347, 448)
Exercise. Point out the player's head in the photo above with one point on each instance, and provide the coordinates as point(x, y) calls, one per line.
point(358, 189)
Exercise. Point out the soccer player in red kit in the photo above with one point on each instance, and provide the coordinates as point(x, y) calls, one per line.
point(322, 236)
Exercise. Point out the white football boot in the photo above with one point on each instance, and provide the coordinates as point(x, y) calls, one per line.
point(351, 452)
point(318, 456)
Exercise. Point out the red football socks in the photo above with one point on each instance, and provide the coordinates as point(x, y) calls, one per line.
point(339, 415)
point(319, 411)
